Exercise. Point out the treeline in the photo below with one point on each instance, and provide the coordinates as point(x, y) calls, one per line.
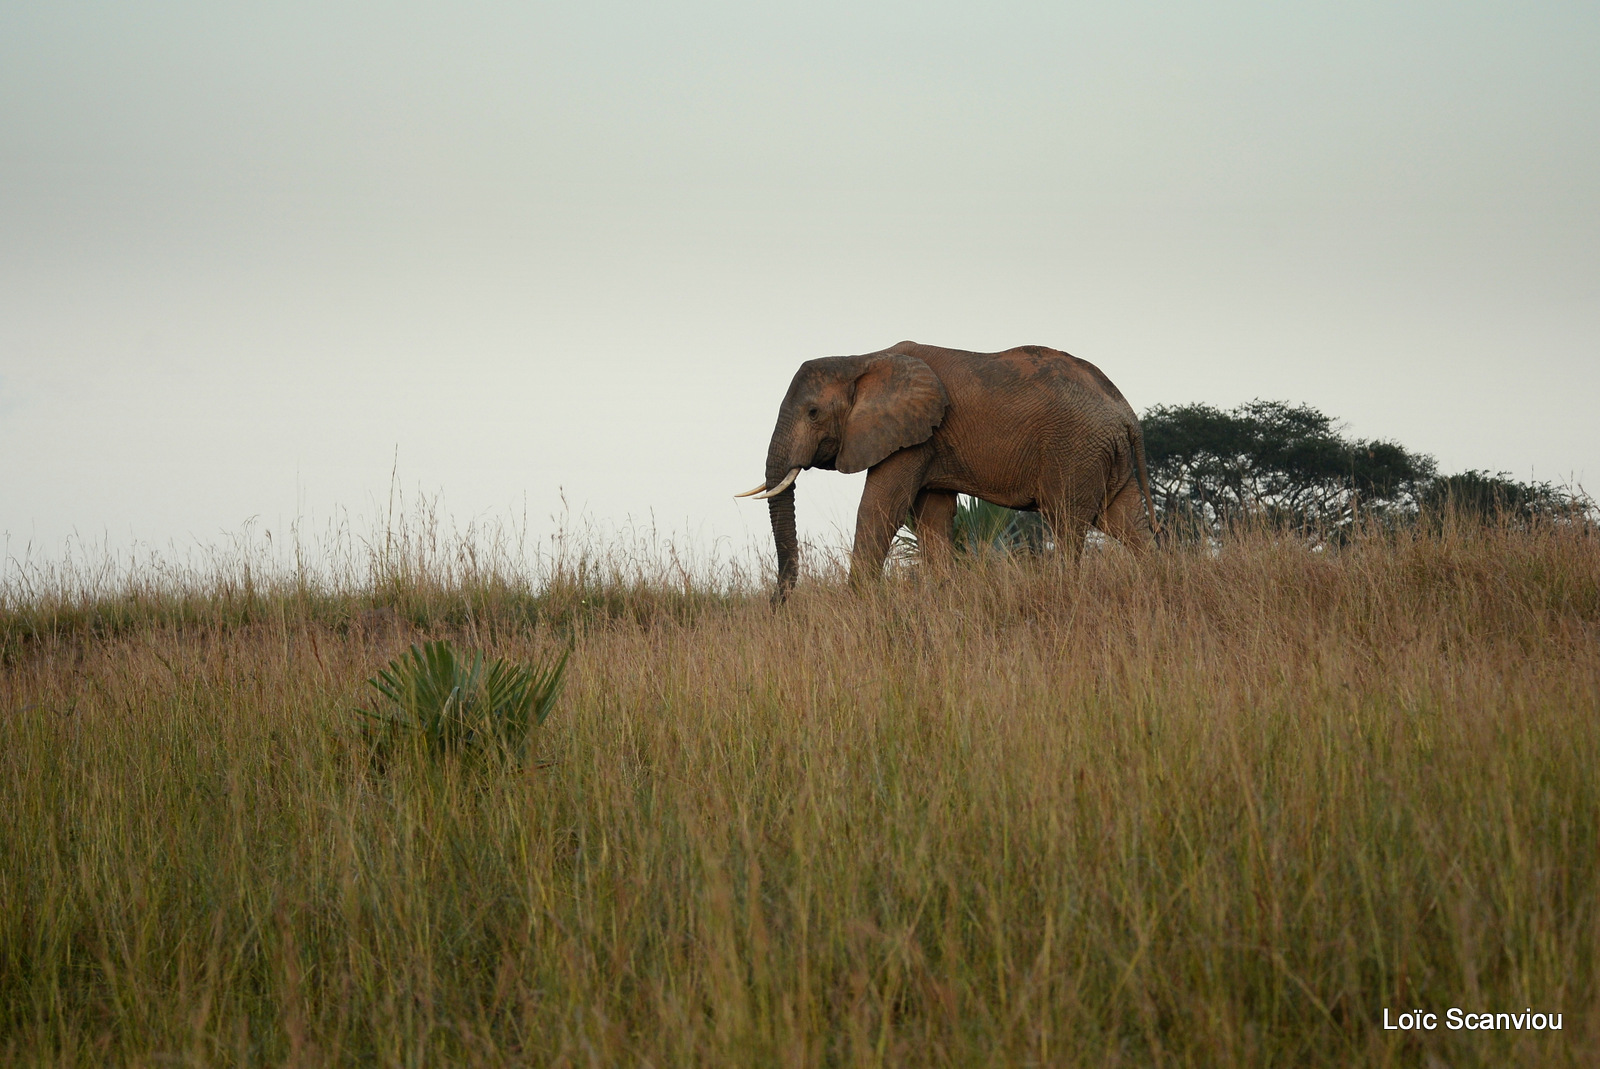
point(1290, 467)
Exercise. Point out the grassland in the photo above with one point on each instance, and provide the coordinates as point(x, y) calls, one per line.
point(1199, 809)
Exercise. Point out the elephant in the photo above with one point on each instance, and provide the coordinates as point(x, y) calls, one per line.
point(1029, 428)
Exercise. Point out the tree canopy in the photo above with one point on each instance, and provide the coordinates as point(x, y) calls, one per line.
point(1288, 464)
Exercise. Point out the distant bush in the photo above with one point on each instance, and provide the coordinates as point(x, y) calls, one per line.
point(1498, 497)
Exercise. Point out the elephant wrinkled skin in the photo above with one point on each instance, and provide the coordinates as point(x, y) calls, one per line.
point(1029, 428)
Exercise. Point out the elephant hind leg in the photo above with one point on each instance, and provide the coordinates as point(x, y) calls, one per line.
point(1126, 519)
point(1069, 526)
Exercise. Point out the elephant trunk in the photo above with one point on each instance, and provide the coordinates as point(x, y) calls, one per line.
point(780, 507)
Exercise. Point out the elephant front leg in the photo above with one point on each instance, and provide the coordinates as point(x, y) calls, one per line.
point(891, 487)
point(934, 516)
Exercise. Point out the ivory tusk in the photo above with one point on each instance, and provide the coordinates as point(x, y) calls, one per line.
point(757, 490)
point(781, 487)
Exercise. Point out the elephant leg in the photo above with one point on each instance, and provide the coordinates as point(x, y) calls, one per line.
point(891, 488)
point(1126, 519)
point(934, 514)
point(1069, 501)
point(1070, 526)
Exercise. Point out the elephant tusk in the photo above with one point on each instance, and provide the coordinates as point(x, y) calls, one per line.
point(757, 490)
point(781, 487)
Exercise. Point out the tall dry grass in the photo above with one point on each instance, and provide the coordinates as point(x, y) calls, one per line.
point(1199, 809)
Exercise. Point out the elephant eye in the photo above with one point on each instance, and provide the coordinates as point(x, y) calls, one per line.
point(813, 413)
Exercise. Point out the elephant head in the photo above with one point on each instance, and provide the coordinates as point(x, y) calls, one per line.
point(843, 413)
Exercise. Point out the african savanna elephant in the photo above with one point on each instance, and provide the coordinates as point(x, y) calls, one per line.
point(1029, 428)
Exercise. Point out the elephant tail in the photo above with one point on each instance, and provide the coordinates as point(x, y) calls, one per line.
point(1136, 440)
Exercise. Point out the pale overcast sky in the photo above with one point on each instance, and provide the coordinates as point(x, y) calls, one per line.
point(252, 254)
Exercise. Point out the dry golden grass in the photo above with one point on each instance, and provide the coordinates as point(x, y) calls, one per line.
point(1192, 810)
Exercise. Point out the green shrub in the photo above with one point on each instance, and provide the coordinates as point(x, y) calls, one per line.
point(451, 703)
point(981, 526)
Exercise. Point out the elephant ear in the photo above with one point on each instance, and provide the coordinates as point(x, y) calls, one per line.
point(898, 403)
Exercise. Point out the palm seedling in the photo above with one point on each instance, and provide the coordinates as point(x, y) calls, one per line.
point(980, 527)
point(983, 527)
point(455, 704)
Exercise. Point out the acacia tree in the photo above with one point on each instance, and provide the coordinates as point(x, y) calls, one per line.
point(1267, 460)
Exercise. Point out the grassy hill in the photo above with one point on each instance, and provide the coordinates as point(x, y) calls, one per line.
point(1205, 808)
